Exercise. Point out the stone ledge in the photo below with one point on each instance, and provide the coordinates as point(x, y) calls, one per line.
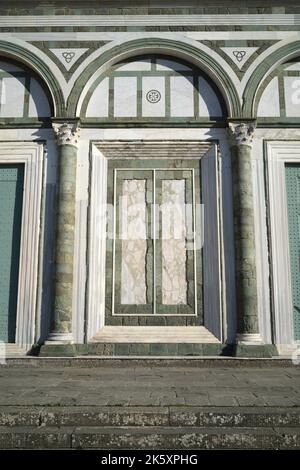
point(149, 438)
point(182, 416)
point(146, 361)
point(132, 349)
point(157, 349)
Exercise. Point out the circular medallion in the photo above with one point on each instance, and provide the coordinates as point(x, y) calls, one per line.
point(153, 96)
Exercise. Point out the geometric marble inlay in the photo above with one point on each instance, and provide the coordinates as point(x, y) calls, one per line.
point(239, 55)
point(68, 56)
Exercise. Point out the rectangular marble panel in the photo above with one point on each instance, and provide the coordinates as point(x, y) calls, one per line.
point(292, 96)
point(269, 104)
point(174, 282)
point(139, 65)
point(153, 97)
point(294, 67)
point(182, 96)
point(98, 104)
point(125, 96)
point(12, 86)
point(208, 101)
point(134, 243)
point(38, 103)
point(169, 65)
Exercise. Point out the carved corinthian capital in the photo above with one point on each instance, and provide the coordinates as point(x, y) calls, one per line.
point(241, 133)
point(67, 133)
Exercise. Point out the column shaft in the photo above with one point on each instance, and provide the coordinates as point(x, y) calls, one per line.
point(61, 328)
point(244, 233)
point(245, 256)
point(64, 259)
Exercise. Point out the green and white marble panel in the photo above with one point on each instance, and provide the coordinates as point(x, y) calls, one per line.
point(98, 104)
point(269, 103)
point(125, 96)
point(292, 96)
point(154, 99)
point(182, 96)
point(209, 104)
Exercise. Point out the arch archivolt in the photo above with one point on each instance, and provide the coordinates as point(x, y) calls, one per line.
point(34, 59)
point(218, 70)
point(188, 50)
point(257, 74)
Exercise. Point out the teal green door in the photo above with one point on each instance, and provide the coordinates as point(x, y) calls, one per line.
point(11, 201)
point(292, 177)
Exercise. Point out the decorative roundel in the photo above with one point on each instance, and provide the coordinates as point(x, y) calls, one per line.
point(153, 96)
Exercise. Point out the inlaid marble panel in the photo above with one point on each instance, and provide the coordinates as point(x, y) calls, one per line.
point(169, 65)
point(174, 283)
point(153, 96)
point(21, 95)
point(38, 103)
point(209, 104)
point(125, 96)
point(134, 243)
point(294, 67)
point(269, 104)
point(153, 87)
point(292, 96)
point(138, 65)
point(12, 96)
point(98, 104)
point(182, 96)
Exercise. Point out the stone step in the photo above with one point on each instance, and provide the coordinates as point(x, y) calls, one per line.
point(164, 437)
point(88, 361)
point(100, 347)
point(155, 334)
point(11, 350)
point(55, 416)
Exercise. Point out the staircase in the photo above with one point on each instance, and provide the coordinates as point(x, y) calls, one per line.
point(179, 428)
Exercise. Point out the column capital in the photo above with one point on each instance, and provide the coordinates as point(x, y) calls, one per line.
point(67, 133)
point(241, 132)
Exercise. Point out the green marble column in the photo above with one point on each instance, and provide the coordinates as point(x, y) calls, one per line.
point(241, 135)
point(67, 139)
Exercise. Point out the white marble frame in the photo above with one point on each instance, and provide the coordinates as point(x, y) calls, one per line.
point(31, 155)
point(277, 153)
point(96, 243)
point(96, 252)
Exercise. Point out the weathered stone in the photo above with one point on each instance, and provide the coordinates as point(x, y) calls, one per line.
point(245, 255)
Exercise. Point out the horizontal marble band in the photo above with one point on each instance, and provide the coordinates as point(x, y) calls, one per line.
point(117, 36)
point(139, 20)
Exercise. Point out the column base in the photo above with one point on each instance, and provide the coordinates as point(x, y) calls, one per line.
point(60, 338)
point(255, 350)
point(249, 339)
point(58, 345)
point(52, 349)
